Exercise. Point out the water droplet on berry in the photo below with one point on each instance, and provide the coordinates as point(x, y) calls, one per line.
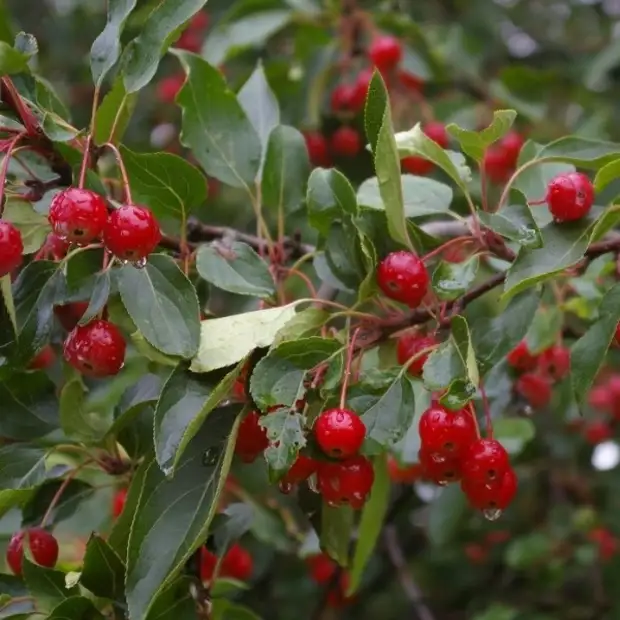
point(140, 264)
point(313, 483)
point(209, 457)
point(492, 514)
point(285, 487)
point(442, 483)
point(124, 262)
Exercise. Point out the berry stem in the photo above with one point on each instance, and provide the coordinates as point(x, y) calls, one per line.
point(536, 203)
point(5, 168)
point(513, 178)
point(446, 245)
point(85, 160)
point(347, 368)
point(117, 118)
point(290, 271)
point(121, 166)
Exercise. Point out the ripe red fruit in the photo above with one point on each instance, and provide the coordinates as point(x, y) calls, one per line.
point(337, 596)
point(342, 96)
point(511, 144)
point(535, 388)
point(439, 469)
point(346, 482)
point(521, 358)
point(11, 248)
point(446, 433)
point(132, 233)
point(189, 40)
point(485, 462)
point(410, 344)
point(199, 22)
point(497, 164)
point(43, 359)
point(385, 52)
point(402, 276)
point(318, 151)
point(436, 131)
point(555, 361)
point(494, 496)
point(118, 503)
point(606, 542)
point(339, 432)
point(43, 547)
point(303, 467)
point(237, 563)
point(476, 553)
point(346, 142)
point(403, 473)
point(96, 349)
point(70, 314)
point(410, 81)
point(597, 431)
point(55, 247)
point(252, 438)
point(417, 165)
point(208, 562)
point(322, 567)
point(168, 88)
point(78, 215)
point(362, 84)
point(569, 196)
point(601, 398)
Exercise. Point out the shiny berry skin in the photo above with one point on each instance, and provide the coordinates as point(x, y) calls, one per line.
point(132, 233)
point(11, 248)
point(385, 52)
point(96, 349)
point(118, 503)
point(402, 276)
point(43, 547)
point(78, 215)
point(417, 165)
point(303, 467)
point(497, 164)
point(252, 438)
point(70, 314)
point(520, 357)
point(411, 344)
point(339, 432)
point(512, 143)
point(322, 567)
point(318, 151)
point(496, 496)
point(555, 362)
point(439, 469)
point(569, 196)
point(342, 97)
point(347, 482)
point(346, 142)
point(597, 431)
point(447, 433)
point(404, 474)
point(43, 359)
point(168, 88)
point(237, 563)
point(208, 562)
point(535, 388)
point(485, 462)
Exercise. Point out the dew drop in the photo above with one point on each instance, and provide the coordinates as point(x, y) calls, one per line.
point(492, 514)
point(140, 264)
point(285, 487)
point(442, 483)
point(124, 261)
point(313, 483)
point(209, 457)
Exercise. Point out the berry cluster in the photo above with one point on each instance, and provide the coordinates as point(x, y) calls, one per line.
point(451, 450)
point(42, 545)
point(237, 563)
point(500, 159)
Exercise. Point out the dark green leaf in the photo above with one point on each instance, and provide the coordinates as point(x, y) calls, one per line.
point(330, 196)
point(163, 304)
point(46, 585)
point(224, 609)
point(514, 433)
point(103, 572)
point(336, 527)
point(446, 514)
point(175, 514)
point(451, 280)
point(12, 586)
point(606, 175)
point(544, 329)
point(75, 608)
point(114, 113)
point(174, 601)
point(142, 55)
point(286, 170)
point(33, 226)
point(583, 152)
point(168, 184)
point(17, 609)
point(98, 297)
point(406, 450)
point(76, 420)
point(285, 430)
point(515, 222)
point(235, 267)
point(215, 126)
point(106, 48)
point(185, 402)
point(344, 255)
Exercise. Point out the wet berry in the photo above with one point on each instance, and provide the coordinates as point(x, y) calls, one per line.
point(346, 142)
point(569, 196)
point(447, 433)
point(11, 248)
point(78, 215)
point(237, 563)
point(346, 482)
point(439, 469)
point(495, 496)
point(535, 388)
point(385, 52)
point(303, 467)
point(252, 438)
point(55, 247)
point(339, 432)
point(342, 97)
point(555, 362)
point(208, 562)
point(168, 88)
point(415, 164)
point(511, 144)
point(402, 276)
point(43, 548)
point(485, 462)
point(70, 314)
point(132, 233)
point(362, 84)
point(606, 542)
point(43, 359)
point(411, 344)
point(410, 81)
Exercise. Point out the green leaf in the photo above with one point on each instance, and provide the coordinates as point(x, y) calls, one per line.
point(451, 280)
point(446, 515)
point(151, 353)
point(583, 152)
point(76, 420)
point(286, 170)
point(475, 143)
point(168, 184)
point(544, 329)
point(75, 607)
point(336, 527)
point(235, 267)
point(515, 222)
point(215, 127)
point(406, 450)
point(224, 609)
point(142, 54)
point(228, 340)
point(371, 523)
point(514, 433)
point(33, 226)
point(175, 514)
point(588, 353)
point(103, 572)
point(285, 430)
point(174, 601)
point(278, 377)
point(185, 402)
point(98, 298)
point(46, 585)
point(106, 48)
point(380, 132)
point(344, 255)
point(305, 323)
point(422, 196)
point(163, 304)
point(607, 174)
point(462, 338)
point(11, 60)
point(330, 196)
point(114, 113)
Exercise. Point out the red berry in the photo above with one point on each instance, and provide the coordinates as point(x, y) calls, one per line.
point(43, 547)
point(606, 541)
point(96, 349)
point(362, 84)
point(208, 562)
point(485, 462)
point(11, 248)
point(168, 88)
point(346, 482)
point(199, 22)
point(78, 215)
point(403, 473)
point(346, 142)
point(55, 247)
point(617, 334)
point(535, 388)
point(476, 553)
point(497, 164)
point(252, 438)
point(447, 433)
point(569, 196)
point(410, 81)
point(118, 503)
point(385, 52)
point(342, 96)
point(436, 131)
point(511, 144)
point(410, 344)
point(318, 151)
point(402, 276)
point(43, 359)
point(521, 358)
point(597, 431)
point(417, 165)
point(494, 496)
point(70, 314)
point(237, 563)
point(337, 597)
point(339, 432)
point(302, 469)
point(601, 398)
point(439, 469)
point(555, 362)
point(322, 567)
point(190, 41)
point(132, 233)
